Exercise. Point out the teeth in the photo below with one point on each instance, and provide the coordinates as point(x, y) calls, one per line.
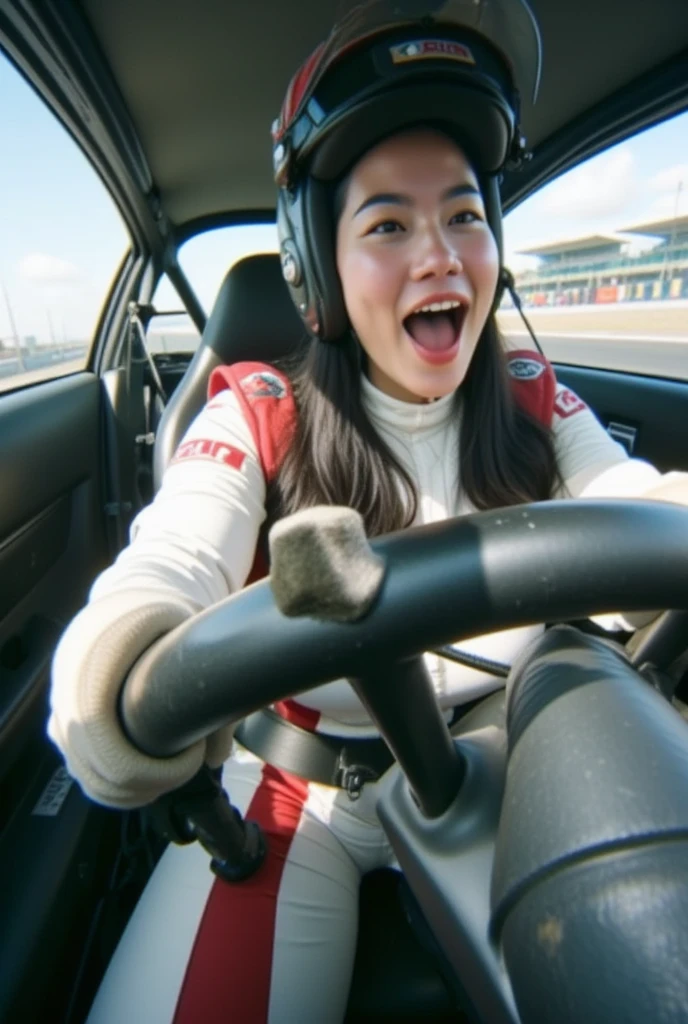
point(439, 307)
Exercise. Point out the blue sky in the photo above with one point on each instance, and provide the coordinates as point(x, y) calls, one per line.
point(61, 238)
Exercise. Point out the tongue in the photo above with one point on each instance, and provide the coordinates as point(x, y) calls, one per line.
point(434, 331)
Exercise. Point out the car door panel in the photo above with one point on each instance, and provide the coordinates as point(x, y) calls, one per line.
point(656, 410)
point(52, 543)
point(48, 444)
point(51, 526)
point(57, 839)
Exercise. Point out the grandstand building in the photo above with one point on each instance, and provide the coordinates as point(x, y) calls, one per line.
point(650, 264)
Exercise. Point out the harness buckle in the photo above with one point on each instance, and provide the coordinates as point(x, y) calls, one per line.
point(353, 778)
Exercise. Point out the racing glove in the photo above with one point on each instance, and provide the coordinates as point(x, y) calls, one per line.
point(92, 660)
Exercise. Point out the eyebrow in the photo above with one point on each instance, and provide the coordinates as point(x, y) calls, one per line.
point(397, 199)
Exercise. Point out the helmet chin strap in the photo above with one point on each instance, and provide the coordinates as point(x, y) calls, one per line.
point(493, 210)
point(506, 279)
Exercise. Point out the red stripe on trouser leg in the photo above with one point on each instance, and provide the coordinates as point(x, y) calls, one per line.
point(228, 976)
point(298, 714)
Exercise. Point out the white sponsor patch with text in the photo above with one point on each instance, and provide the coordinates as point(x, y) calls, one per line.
point(525, 369)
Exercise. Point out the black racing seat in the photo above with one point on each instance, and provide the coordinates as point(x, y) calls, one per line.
point(254, 319)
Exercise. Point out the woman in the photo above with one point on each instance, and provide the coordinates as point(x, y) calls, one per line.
point(391, 247)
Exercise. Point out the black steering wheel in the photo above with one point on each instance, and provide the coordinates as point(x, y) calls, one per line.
point(529, 849)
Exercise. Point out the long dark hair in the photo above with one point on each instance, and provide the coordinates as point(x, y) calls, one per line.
point(338, 458)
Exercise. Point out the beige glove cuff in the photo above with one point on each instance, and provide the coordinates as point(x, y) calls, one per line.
point(92, 660)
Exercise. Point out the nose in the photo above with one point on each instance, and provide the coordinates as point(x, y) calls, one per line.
point(436, 256)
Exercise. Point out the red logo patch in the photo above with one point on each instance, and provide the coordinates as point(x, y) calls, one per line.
point(217, 451)
point(263, 385)
point(567, 404)
point(424, 49)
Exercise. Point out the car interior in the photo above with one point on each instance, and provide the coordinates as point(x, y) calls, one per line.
point(183, 152)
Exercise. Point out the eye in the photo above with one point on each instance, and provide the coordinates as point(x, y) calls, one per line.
point(385, 227)
point(465, 217)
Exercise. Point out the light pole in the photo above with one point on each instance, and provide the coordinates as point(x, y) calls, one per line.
point(672, 243)
point(666, 271)
point(13, 328)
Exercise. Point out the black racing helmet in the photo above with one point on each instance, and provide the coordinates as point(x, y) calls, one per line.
point(458, 65)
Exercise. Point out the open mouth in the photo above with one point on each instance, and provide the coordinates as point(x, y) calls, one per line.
point(435, 329)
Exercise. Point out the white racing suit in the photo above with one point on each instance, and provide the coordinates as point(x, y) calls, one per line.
point(280, 946)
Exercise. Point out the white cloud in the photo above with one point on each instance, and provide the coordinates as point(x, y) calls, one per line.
point(39, 268)
point(604, 187)
point(663, 207)
point(669, 179)
point(669, 201)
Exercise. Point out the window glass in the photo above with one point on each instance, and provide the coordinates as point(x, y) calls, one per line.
point(61, 240)
point(600, 258)
point(205, 259)
point(171, 329)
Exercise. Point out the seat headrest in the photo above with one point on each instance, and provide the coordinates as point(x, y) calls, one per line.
point(253, 319)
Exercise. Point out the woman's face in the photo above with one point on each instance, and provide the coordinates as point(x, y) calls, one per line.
point(412, 234)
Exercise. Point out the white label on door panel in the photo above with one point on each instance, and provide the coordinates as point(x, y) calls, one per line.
point(54, 795)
